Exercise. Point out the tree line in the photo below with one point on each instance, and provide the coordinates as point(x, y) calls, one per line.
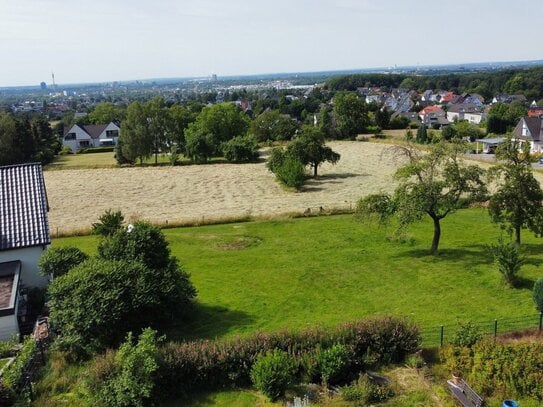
point(528, 82)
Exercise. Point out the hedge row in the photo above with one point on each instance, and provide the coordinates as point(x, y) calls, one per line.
point(515, 370)
point(185, 367)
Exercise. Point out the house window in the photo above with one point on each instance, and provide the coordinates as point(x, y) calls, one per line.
point(112, 133)
point(69, 136)
point(84, 143)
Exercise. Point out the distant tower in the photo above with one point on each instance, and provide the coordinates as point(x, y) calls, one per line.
point(54, 84)
point(214, 77)
point(43, 85)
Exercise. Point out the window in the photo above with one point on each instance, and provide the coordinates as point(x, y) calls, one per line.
point(112, 133)
point(69, 136)
point(84, 143)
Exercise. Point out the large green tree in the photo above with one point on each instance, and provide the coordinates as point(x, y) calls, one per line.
point(350, 115)
point(272, 125)
point(135, 140)
point(433, 183)
point(309, 148)
point(517, 202)
point(104, 113)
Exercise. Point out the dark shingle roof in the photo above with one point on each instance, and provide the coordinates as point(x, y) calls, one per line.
point(23, 207)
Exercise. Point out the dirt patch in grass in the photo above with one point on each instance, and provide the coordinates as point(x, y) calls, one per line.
point(239, 243)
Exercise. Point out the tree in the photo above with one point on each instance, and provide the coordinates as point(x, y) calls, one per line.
point(508, 259)
point(104, 113)
point(240, 149)
point(350, 115)
point(517, 202)
point(135, 140)
point(422, 136)
point(272, 125)
point(199, 145)
point(133, 284)
point(309, 148)
point(435, 183)
point(222, 121)
point(467, 131)
point(180, 118)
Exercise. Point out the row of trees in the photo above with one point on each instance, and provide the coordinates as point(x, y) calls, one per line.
point(24, 139)
point(436, 182)
point(528, 82)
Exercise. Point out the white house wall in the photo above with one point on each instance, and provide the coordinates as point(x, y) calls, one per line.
point(29, 257)
point(473, 118)
point(80, 135)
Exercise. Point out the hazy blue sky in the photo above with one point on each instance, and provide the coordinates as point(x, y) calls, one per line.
point(106, 40)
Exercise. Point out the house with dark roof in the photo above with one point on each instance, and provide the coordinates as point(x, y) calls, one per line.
point(24, 235)
point(530, 130)
point(473, 113)
point(81, 136)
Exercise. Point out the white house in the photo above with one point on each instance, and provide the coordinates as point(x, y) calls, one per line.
point(465, 111)
point(24, 235)
point(91, 135)
point(530, 130)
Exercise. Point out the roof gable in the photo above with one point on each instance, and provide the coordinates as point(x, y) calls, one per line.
point(23, 207)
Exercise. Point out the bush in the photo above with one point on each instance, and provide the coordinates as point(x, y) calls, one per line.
point(538, 294)
point(273, 373)
point(57, 261)
point(141, 242)
point(92, 150)
point(334, 364)
point(364, 391)
point(13, 374)
point(99, 301)
point(208, 365)
point(508, 259)
point(240, 149)
point(7, 348)
point(467, 334)
point(65, 150)
point(109, 223)
point(126, 378)
point(291, 173)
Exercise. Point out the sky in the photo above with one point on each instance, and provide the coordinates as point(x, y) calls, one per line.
point(118, 40)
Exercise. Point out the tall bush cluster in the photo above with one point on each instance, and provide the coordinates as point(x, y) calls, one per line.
point(190, 366)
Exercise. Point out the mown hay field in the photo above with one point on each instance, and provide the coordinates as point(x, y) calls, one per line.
point(77, 197)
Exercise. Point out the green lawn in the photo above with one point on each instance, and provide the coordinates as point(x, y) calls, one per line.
point(270, 275)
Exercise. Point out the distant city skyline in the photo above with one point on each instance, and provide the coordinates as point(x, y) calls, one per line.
point(120, 40)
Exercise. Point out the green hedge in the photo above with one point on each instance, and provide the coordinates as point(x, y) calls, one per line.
point(497, 369)
point(190, 366)
point(13, 374)
point(91, 150)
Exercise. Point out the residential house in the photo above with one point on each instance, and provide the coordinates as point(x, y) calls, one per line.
point(91, 135)
point(465, 111)
point(412, 117)
point(535, 111)
point(471, 99)
point(433, 115)
point(24, 235)
point(530, 130)
point(507, 99)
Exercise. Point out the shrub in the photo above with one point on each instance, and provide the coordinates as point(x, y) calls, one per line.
point(57, 261)
point(467, 334)
point(174, 155)
point(273, 373)
point(109, 223)
point(538, 294)
point(141, 242)
point(99, 301)
point(515, 370)
point(364, 391)
point(415, 361)
point(13, 374)
point(125, 378)
point(7, 348)
point(508, 259)
point(240, 149)
point(334, 364)
point(66, 150)
point(207, 365)
point(291, 173)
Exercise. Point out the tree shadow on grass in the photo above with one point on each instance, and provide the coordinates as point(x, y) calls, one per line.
point(523, 283)
point(206, 321)
point(468, 256)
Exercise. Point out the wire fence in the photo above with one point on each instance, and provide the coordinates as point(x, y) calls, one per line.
point(443, 334)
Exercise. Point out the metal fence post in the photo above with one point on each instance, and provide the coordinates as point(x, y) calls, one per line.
point(441, 337)
point(540, 320)
point(495, 328)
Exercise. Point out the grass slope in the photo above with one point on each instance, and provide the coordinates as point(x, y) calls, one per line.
point(323, 271)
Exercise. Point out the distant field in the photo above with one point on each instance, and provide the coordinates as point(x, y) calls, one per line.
point(327, 270)
point(79, 161)
point(77, 197)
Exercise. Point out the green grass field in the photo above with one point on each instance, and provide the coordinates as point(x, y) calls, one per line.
point(270, 275)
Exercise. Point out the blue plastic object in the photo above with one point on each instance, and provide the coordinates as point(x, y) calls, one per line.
point(509, 403)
